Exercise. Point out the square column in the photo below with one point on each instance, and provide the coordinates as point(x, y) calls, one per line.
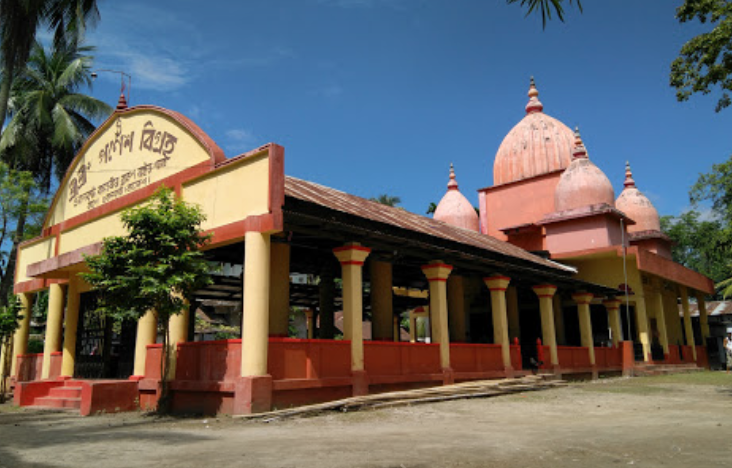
point(641, 323)
point(497, 285)
point(68, 360)
point(546, 305)
point(456, 309)
point(613, 318)
point(147, 334)
point(661, 321)
point(253, 391)
point(53, 326)
point(703, 317)
point(688, 328)
point(583, 300)
point(279, 290)
point(20, 339)
point(382, 304)
point(437, 273)
point(352, 257)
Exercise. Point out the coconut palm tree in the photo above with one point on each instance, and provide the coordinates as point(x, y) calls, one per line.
point(50, 120)
point(545, 7)
point(19, 22)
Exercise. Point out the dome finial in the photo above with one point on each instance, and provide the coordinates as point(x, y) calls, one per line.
point(452, 185)
point(579, 151)
point(122, 103)
point(534, 104)
point(629, 182)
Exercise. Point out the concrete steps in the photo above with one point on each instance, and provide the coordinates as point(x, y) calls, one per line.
point(67, 396)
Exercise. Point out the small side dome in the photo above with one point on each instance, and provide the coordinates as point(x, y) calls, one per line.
point(538, 144)
point(455, 209)
point(637, 206)
point(582, 183)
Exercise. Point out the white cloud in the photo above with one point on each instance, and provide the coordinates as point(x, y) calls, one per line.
point(239, 140)
point(169, 53)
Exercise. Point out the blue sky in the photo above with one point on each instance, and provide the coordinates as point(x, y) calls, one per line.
point(380, 96)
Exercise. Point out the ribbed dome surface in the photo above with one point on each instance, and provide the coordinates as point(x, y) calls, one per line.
point(582, 183)
point(637, 206)
point(537, 145)
point(455, 209)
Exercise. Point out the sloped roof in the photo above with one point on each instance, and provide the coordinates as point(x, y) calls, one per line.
point(397, 217)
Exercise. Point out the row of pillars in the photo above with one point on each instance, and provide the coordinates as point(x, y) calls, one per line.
point(267, 288)
point(67, 297)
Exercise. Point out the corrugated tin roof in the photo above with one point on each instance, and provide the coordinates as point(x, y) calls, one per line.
point(713, 308)
point(363, 208)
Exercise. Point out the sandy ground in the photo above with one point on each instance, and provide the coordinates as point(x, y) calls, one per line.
point(645, 422)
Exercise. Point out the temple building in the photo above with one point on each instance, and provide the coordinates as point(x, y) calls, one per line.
point(552, 275)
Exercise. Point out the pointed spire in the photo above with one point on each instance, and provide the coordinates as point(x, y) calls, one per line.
point(579, 151)
point(629, 182)
point(452, 185)
point(122, 103)
point(534, 104)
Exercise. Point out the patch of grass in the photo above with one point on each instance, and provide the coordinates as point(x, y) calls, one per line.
point(626, 389)
point(659, 383)
point(716, 378)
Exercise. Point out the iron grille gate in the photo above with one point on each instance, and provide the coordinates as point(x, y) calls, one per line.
point(104, 350)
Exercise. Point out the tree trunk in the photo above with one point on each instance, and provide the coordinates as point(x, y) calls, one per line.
point(5, 86)
point(164, 400)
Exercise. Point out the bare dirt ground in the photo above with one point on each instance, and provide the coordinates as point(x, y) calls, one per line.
point(673, 421)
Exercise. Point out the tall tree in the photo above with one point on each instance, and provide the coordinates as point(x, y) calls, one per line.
point(51, 118)
point(702, 245)
point(715, 187)
point(50, 121)
point(157, 266)
point(19, 22)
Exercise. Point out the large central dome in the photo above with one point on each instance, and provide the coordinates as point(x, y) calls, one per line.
point(537, 145)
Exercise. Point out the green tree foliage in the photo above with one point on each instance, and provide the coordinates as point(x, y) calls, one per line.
point(157, 266)
point(713, 239)
point(387, 200)
point(19, 22)
point(9, 322)
point(50, 118)
point(21, 217)
point(700, 245)
point(546, 7)
point(705, 61)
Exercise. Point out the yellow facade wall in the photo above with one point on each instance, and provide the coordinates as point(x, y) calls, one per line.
point(608, 271)
point(134, 150)
point(91, 233)
point(231, 194)
point(33, 253)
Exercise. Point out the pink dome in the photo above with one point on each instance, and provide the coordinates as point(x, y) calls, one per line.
point(537, 145)
point(455, 209)
point(582, 183)
point(637, 206)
